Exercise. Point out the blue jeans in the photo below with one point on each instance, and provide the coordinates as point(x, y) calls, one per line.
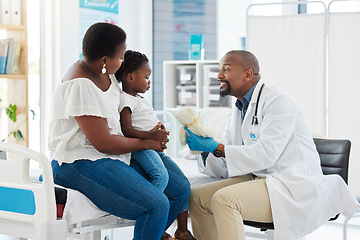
point(151, 162)
point(118, 189)
point(170, 166)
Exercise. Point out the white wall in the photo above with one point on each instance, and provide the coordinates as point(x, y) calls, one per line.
point(49, 55)
point(231, 24)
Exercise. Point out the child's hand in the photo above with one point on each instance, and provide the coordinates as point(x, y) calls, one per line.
point(162, 126)
point(159, 133)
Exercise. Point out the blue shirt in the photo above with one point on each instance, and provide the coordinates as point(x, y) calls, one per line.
point(244, 103)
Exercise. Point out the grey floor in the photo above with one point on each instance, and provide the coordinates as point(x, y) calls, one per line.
point(329, 231)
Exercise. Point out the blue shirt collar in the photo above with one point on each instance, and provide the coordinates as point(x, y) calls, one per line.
point(244, 103)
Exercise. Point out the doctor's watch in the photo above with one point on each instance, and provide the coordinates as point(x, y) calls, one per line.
point(217, 153)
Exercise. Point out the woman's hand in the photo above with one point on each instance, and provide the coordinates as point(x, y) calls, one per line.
point(155, 145)
point(105, 142)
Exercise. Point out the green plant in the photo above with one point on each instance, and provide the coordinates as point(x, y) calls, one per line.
point(11, 113)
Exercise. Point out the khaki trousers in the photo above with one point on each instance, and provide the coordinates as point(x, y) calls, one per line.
point(217, 209)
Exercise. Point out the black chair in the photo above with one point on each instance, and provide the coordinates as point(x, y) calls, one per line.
point(334, 158)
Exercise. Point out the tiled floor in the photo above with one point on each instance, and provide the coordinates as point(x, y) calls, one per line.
point(329, 231)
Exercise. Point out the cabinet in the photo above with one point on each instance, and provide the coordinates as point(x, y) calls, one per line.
point(192, 83)
point(14, 87)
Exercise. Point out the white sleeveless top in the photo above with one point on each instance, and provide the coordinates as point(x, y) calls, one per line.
point(79, 97)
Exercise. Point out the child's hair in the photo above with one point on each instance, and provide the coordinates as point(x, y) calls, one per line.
point(133, 60)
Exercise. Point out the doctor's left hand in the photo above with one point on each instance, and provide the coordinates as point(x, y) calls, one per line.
point(200, 143)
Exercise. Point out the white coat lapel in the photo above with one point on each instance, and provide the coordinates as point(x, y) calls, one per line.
point(246, 125)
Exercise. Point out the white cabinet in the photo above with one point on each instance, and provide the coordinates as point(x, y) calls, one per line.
point(192, 83)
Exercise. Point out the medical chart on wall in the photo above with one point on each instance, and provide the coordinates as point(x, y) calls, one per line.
point(92, 11)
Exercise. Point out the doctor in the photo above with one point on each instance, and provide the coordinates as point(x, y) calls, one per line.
point(270, 161)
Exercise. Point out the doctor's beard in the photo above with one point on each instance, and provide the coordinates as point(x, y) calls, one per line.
point(227, 91)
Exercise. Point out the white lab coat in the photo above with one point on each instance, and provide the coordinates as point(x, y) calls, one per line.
point(283, 152)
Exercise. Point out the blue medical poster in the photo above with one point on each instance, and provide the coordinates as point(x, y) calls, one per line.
point(92, 11)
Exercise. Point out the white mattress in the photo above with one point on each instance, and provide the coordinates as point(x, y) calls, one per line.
point(79, 208)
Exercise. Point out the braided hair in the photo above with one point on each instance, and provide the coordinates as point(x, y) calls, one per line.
point(133, 60)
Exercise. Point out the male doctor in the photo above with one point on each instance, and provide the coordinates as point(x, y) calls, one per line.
point(270, 161)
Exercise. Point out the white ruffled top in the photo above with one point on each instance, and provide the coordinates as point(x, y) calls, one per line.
point(79, 97)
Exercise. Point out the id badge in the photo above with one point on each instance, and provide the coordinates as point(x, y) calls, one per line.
point(253, 137)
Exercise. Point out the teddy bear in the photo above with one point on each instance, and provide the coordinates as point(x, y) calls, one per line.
point(189, 117)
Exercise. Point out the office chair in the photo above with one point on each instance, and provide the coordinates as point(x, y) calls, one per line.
point(334, 158)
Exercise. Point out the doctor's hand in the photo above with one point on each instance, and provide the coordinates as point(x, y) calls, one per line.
point(200, 143)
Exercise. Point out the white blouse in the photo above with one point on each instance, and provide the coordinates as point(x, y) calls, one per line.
point(79, 97)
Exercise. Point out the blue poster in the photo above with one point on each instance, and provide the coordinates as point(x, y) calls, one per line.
point(92, 11)
point(100, 5)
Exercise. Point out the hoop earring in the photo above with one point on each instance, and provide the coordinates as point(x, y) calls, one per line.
point(103, 70)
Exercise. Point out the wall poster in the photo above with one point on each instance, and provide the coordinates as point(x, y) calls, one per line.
point(92, 11)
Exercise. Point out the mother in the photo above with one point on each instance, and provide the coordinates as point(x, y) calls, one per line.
point(90, 153)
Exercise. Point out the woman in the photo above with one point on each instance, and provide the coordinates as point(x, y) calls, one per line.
point(90, 153)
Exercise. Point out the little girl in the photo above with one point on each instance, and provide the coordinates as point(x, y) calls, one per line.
point(138, 120)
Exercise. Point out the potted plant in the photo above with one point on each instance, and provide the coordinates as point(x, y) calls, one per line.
point(11, 113)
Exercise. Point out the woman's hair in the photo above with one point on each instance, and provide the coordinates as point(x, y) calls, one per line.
point(102, 39)
point(133, 60)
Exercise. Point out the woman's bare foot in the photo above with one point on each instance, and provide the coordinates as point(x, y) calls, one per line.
point(186, 235)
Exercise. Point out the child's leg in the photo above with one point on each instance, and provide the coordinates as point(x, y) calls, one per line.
point(182, 221)
point(171, 165)
point(152, 164)
point(182, 231)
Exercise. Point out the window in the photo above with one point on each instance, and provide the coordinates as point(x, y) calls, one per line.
point(33, 21)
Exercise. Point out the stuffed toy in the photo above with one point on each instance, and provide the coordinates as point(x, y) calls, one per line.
point(189, 117)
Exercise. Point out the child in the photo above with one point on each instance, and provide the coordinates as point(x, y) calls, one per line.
point(138, 120)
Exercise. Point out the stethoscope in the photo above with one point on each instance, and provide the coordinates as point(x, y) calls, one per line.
point(254, 118)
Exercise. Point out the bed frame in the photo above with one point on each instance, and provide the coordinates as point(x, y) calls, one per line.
point(28, 208)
